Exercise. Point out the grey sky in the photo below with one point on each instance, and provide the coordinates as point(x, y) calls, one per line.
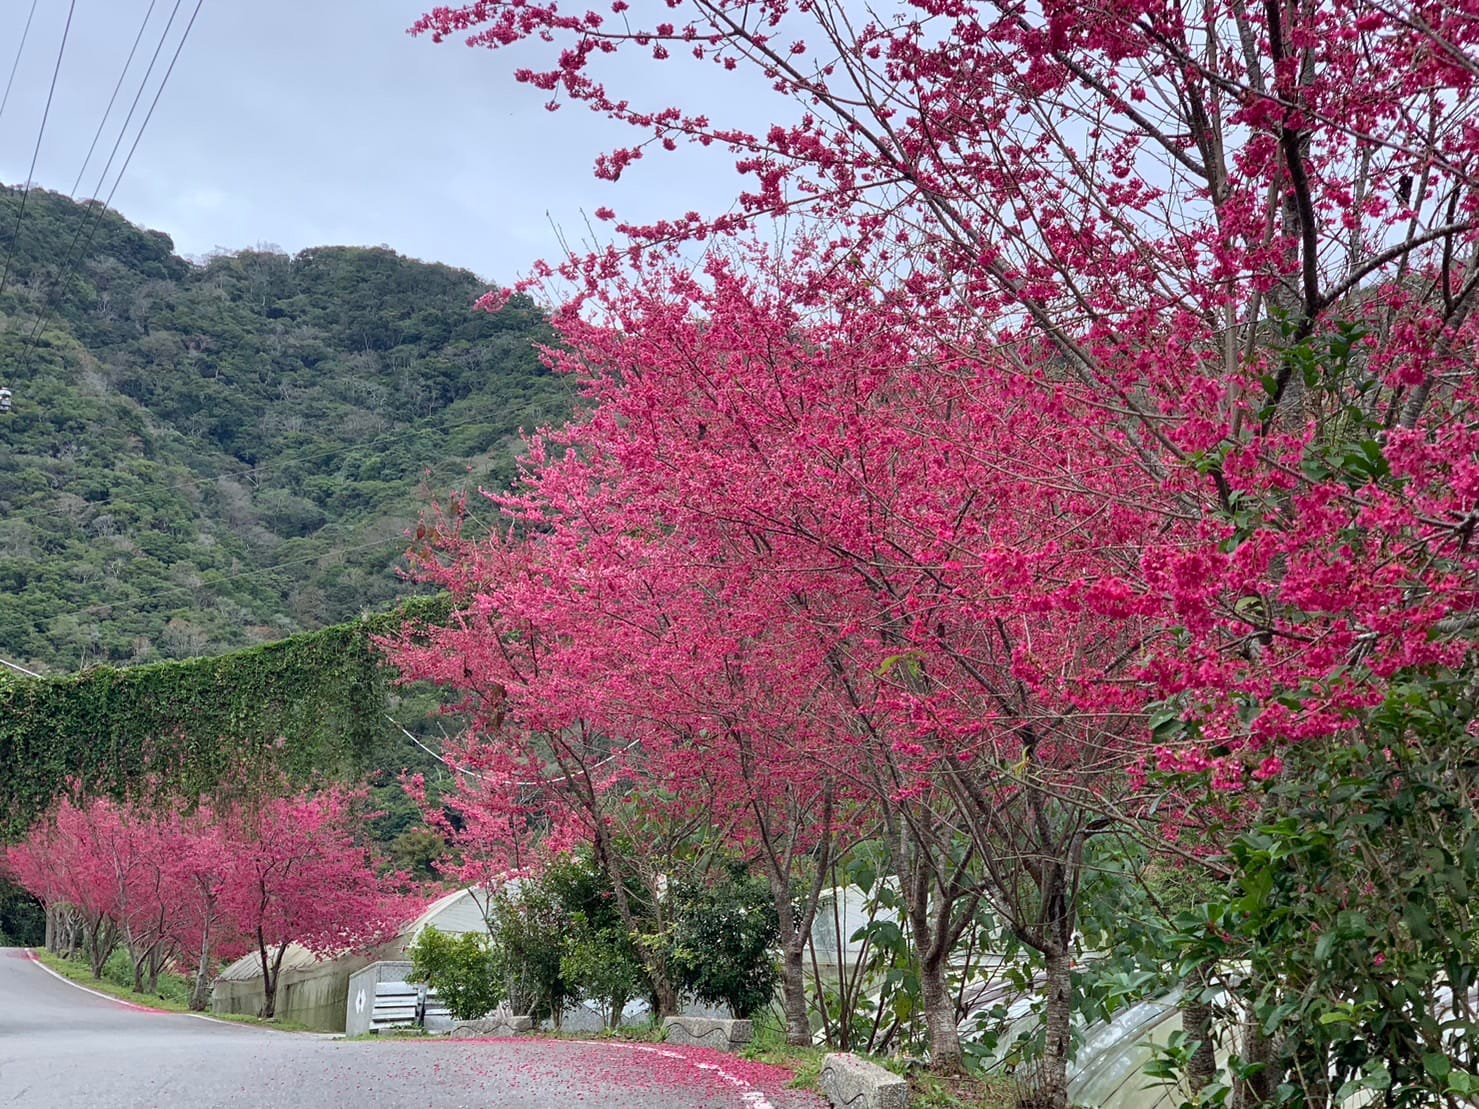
point(308, 122)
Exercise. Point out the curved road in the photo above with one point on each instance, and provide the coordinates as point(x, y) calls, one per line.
point(64, 1048)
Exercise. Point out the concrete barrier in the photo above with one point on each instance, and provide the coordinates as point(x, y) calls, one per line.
point(495, 1027)
point(722, 1035)
point(854, 1083)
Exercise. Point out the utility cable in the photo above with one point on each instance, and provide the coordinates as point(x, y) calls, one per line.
point(287, 460)
point(19, 50)
point(36, 152)
point(97, 209)
point(19, 669)
point(117, 87)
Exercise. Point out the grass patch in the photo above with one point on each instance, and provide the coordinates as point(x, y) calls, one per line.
point(926, 1090)
point(955, 1091)
point(770, 1047)
point(173, 994)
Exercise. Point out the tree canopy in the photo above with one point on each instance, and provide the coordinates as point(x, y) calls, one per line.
point(212, 455)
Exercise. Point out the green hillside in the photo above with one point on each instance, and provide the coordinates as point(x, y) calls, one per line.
point(203, 457)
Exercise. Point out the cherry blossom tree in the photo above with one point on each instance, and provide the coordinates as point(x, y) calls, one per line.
point(199, 866)
point(300, 875)
point(1113, 418)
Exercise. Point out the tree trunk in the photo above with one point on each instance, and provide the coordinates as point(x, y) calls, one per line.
point(1255, 1048)
point(1052, 1089)
point(663, 993)
point(71, 934)
point(155, 965)
point(618, 1006)
point(1196, 1020)
point(793, 993)
point(201, 990)
point(51, 929)
point(100, 941)
point(946, 1054)
point(270, 975)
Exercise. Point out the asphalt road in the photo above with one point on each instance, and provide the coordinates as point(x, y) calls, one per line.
point(63, 1048)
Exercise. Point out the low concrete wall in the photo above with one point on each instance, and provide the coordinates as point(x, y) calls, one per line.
point(313, 996)
point(722, 1035)
point(359, 1008)
point(850, 1081)
point(495, 1027)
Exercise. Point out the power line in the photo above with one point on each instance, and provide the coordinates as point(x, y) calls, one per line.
point(19, 50)
point(18, 668)
point(155, 102)
point(36, 152)
point(117, 87)
point(288, 460)
point(94, 207)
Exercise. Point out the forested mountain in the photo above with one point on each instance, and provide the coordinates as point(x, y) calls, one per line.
point(205, 456)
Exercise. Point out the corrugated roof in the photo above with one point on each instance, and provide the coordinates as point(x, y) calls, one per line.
point(456, 912)
point(249, 966)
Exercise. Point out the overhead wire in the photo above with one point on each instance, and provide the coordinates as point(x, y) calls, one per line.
point(36, 151)
point(280, 461)
point(117, 87)
point(15, 65)
point(97, 209)
point(18, 668)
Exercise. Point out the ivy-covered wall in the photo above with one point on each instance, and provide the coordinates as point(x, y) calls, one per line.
point(311, 704)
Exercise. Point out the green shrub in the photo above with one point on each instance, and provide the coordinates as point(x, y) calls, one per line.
point(602, 966)
point(724, 940)
point(466, 971)
point(530, 930)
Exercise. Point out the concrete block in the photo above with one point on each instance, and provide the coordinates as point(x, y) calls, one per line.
point(493, 1027)
point(722, 1035)
point(850, 1081)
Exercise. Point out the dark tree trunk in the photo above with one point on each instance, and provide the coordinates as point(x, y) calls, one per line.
point(1196, 1020)
point(793, 995)
point(271, 972)
point(663, 993)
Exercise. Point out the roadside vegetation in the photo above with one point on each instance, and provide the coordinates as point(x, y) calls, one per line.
point(172, 991)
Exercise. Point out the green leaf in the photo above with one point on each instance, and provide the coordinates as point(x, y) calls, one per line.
point(1436, 1064)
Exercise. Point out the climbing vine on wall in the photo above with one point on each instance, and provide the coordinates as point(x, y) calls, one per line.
point(311, 704)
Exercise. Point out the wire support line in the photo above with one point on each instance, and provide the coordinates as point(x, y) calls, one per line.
point(19, 669)
point(284, 461)
point(36, 151)
point(98, 209)
point(117, 88)
point(19, 50)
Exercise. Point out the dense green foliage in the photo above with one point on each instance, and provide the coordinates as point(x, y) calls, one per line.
point(310, 705)
point(22, 918)
point(530, 929)
point(466, 971)
point(600, 962)
point(1348, 923)
point(723, 939)
point(211, 456)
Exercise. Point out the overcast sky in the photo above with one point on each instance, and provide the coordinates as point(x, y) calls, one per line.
point(311, 122)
